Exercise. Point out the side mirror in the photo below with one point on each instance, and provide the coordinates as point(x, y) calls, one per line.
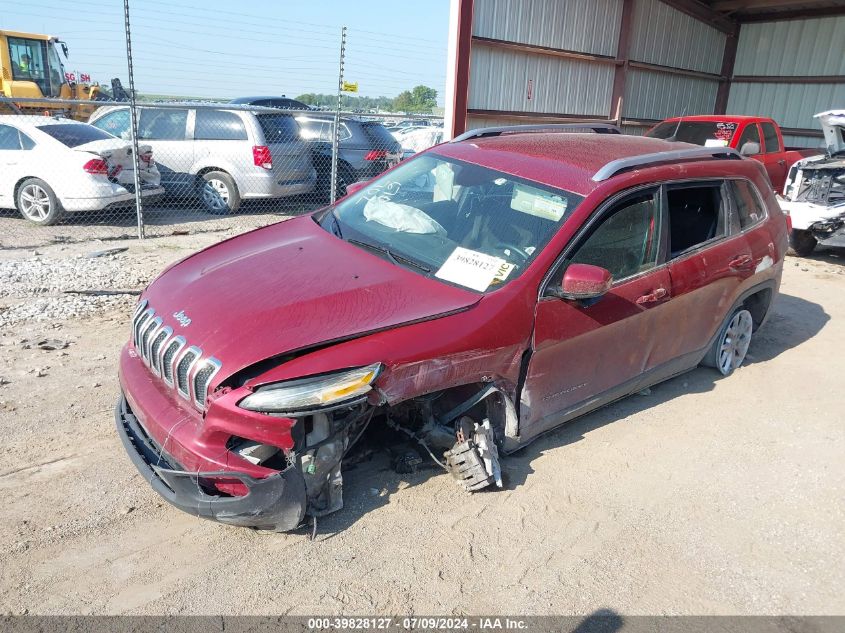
point(750, 148)
point(355, 187)
point(583, 282)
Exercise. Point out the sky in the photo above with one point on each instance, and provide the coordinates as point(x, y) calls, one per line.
point(218, 48)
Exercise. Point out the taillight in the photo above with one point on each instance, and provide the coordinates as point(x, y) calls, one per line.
point(96, 166)
point(376, 154)
point(262, 157)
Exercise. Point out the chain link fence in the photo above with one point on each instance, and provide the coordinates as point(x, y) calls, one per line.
point(200, 166)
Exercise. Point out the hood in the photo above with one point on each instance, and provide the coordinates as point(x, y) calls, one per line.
point(833, 124)
point(287, 287)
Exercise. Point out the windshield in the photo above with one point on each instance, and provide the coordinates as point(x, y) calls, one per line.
point(464, 224)
point(707, 133)
point(38, 61)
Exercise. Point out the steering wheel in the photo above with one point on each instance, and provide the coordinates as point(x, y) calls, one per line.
point(515, 250)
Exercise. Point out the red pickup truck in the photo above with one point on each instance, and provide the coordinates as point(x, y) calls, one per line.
point(754, 136)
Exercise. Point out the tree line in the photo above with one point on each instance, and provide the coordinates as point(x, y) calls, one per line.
point(420, 99)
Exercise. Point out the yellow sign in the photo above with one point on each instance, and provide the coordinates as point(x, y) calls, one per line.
point(348, 86)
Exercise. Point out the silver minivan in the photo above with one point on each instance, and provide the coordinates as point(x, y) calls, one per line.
point(221, 156)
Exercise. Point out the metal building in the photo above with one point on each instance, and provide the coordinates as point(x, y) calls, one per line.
point(639, 61)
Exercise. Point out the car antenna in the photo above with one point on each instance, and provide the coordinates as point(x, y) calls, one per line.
point(674, 136)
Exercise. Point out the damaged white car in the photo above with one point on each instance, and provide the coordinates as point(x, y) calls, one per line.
point(50, 166)
point(814, 193)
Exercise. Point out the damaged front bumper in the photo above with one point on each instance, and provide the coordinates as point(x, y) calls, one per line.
point(277, 502)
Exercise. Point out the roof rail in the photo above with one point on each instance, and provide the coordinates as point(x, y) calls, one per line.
point(598, 128)
point(644, 160)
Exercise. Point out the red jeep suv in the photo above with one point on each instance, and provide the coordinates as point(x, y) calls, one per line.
point(473, 297)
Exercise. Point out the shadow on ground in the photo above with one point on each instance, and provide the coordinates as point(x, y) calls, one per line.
point(370, 483)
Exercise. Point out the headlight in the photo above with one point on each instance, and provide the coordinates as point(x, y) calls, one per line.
point(312, 393)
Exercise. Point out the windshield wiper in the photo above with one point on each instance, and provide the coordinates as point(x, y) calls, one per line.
point(336, 224)
point(393, 257)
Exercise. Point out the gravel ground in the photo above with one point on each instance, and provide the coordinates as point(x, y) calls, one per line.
point(706, 496)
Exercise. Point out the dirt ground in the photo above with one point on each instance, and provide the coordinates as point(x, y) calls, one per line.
point(707, 496)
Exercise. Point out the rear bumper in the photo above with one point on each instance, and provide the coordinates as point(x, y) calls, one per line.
point(276, 502)
point(274, 185)
point(116, 196)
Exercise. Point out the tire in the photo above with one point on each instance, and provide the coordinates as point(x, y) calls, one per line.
point(37, 202)
point(802, 242)
point(731, 346)
point(219, 193)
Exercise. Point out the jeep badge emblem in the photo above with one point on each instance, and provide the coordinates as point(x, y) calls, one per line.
point(184, 319)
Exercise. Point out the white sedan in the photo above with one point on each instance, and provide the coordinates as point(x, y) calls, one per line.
point(50, 165)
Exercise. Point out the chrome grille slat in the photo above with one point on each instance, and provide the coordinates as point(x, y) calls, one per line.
point(202, 377)
point(180, 366)
point(183, 370)
point(157, 348)
point(150, 332)
point(168, 359)
point(146, 330)
point(143, 318)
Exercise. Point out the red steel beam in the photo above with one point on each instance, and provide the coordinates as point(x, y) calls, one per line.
point(462, 63)
point(728, 61)
point(623, 46)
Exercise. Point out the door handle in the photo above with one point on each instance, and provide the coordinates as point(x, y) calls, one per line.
point(651, 297)
point(741, 262)
point(782, 162)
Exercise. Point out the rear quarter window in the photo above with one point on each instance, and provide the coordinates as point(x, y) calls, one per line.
point(748, 205)
point(74, 134)
point(278, 128)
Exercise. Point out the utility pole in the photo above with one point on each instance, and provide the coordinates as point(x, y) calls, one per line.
point(336, 135)
point(133, 115)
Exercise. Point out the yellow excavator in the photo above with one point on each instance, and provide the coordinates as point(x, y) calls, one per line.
point(31, 67)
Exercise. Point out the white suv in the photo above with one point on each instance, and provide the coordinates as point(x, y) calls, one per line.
point(221, 156)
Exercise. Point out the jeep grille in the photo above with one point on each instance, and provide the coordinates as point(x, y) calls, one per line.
point(180, 366)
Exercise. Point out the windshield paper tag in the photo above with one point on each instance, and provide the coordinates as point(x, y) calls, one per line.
point(472, 269)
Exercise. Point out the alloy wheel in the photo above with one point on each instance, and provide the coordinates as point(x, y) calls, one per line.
point(735, 342)
point(35, 203)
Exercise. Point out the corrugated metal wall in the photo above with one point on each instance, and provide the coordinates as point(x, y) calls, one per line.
point(665, 36)
point(653, 95)
point(660, 35)
point(587, 26)
point(791, 105)
point(499, 81)
point(793, 48)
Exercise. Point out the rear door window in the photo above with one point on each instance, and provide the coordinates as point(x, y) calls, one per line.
point(217, 125)
point(278, 128)
point(770, 138)
point(747, 203)
point(697, 214)
point(74, 134)
point(162, 124)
